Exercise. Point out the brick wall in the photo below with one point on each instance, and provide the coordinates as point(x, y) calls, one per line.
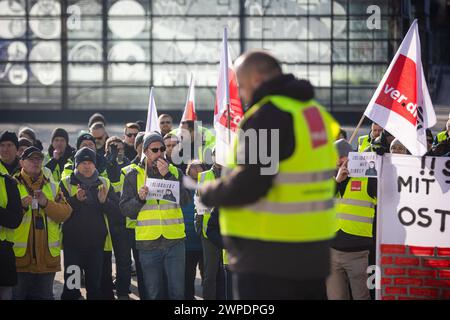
point(412, 273)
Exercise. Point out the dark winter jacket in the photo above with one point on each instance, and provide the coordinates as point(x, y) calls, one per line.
point(193, 242)
point(86, 227)
point(10, 217)
point(245, 185)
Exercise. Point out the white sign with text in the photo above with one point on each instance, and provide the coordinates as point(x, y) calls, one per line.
point(363, 164)
point(163, 190)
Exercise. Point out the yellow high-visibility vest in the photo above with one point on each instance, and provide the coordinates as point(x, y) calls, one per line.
point(441, 136)
point(363, 143)
point(158, 217)
point(299, 207)
point(355, 210)
point(53, 229)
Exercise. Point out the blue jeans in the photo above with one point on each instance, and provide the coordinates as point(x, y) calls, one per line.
point(91, 261)
point(34, 286)
point(169, 261)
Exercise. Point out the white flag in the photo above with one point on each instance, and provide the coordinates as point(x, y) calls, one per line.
point(228, 107)
point(401, 104)
point(152, 115)
point(189, 108)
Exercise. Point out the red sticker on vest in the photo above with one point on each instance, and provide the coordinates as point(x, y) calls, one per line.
point(356, 186)
point(316, 127)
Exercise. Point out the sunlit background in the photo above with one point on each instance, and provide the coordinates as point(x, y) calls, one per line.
point(104, 54)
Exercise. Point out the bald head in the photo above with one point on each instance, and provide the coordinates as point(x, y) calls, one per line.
point(252, 69)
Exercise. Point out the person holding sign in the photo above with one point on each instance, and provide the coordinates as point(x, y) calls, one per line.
point(160, 230)
point(355, 211)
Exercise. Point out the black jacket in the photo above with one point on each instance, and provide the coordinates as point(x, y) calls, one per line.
point(245, 185)
point(10, 217)
point(86, 227)
point(130, 152)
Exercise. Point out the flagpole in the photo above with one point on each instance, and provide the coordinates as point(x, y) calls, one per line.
point(357, 128)
point(225, 48)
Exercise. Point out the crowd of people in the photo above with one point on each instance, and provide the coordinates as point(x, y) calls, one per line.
point(91, 201)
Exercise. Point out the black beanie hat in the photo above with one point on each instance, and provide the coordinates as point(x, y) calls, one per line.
point(9, 136)
point(60, 132)
point(84, 136)
point(85, 154)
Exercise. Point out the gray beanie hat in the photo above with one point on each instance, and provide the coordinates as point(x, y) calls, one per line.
point(343, 147)
point(151, 137)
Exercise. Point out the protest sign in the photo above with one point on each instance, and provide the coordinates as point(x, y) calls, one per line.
point(163, 190)
point(363, 164)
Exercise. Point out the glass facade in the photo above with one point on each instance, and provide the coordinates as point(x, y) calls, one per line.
point(104, 54)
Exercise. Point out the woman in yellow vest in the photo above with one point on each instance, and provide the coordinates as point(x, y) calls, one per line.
point(160, 230)
point(94, 204)
point(37, 239)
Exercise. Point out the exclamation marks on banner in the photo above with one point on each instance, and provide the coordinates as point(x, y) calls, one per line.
point(433, 163)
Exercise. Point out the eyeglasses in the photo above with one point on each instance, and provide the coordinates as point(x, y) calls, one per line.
point(155, 150)
point(165, 122)
point(129, 135)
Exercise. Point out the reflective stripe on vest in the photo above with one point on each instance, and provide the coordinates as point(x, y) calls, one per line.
point(53, 229)
point(158, 217)
point(5, 233)
point(355, 210)
point(299, 206)
point(205, 177)
point(72, 190)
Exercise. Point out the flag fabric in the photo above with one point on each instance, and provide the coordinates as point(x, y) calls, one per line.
point(152, 115)
point(189, 109)
point(228, 110)
point(402, 104)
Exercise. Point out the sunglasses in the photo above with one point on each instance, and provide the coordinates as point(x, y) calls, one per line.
point(165, 122)
point(129, 135)
point(155, 150)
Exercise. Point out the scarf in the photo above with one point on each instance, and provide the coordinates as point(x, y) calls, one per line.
point(88, 182)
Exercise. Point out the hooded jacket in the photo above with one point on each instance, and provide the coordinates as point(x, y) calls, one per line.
point(246, 185)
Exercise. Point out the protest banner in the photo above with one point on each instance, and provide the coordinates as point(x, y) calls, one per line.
point(413, 227)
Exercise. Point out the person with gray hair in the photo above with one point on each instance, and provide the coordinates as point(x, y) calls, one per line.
point(355, 209)
point(397, 147)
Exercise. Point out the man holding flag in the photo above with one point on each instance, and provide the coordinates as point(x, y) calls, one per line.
point(277, 228)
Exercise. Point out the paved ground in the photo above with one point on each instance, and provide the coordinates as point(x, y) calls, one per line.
point(59, 282)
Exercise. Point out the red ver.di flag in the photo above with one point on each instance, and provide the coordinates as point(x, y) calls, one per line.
point(228, 107)
point(401, 104)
